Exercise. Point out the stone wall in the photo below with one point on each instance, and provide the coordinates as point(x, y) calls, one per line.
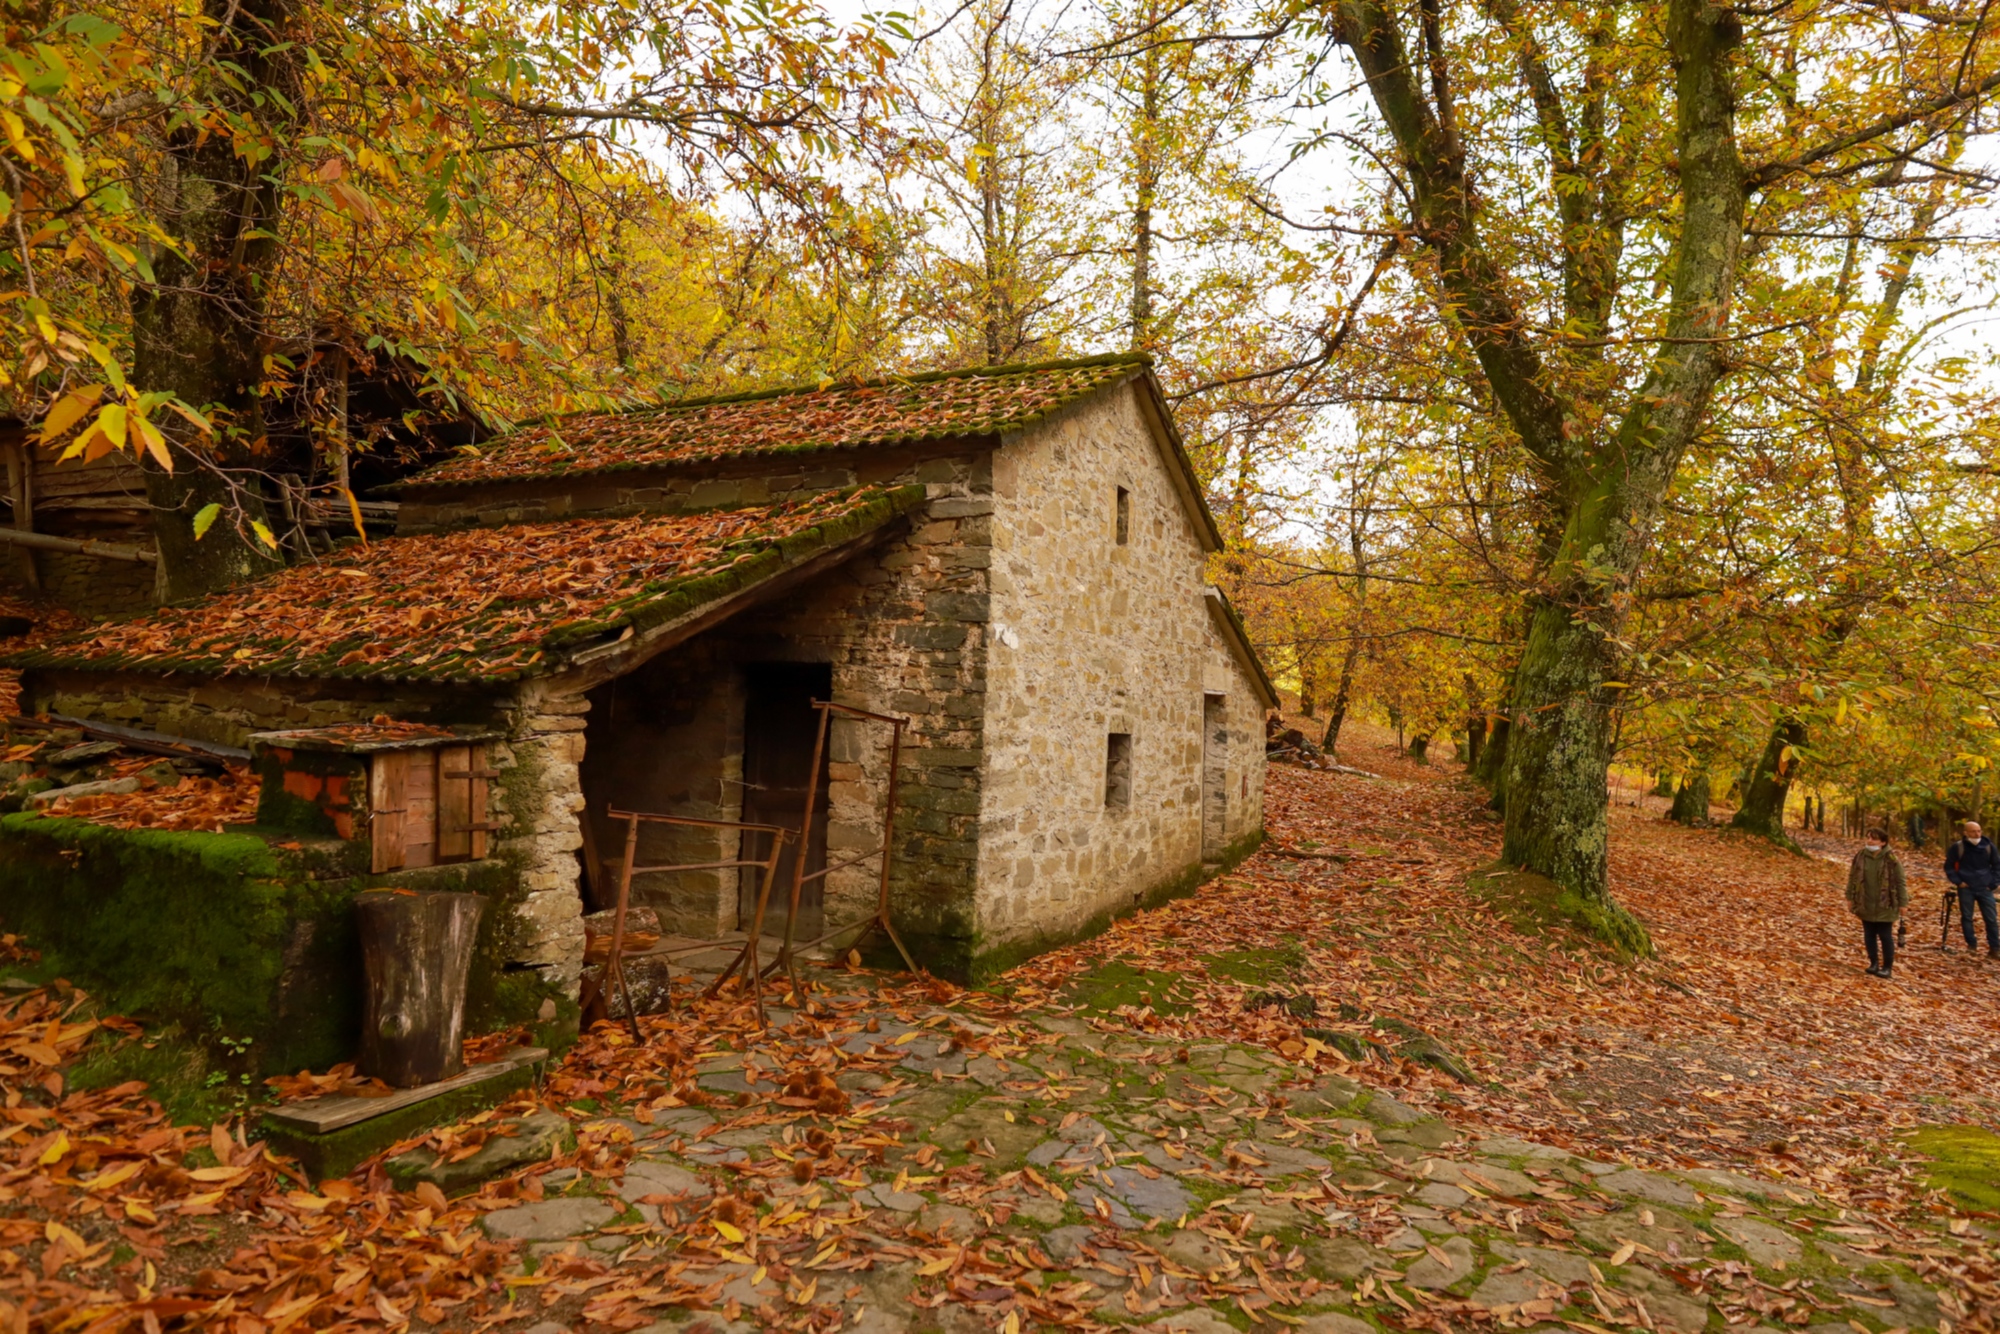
point(667, 739)
point(83, 584)
point(1091, 638)
point(902, 628)
point(535, 801)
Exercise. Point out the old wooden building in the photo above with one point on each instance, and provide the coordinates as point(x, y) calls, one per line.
point(638, 610)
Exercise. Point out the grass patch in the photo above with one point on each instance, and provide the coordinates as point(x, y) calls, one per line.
point(1536, 905)
point(1256, 967)
point(1965, 1160)
point(176, 1072)
point(1109, 986)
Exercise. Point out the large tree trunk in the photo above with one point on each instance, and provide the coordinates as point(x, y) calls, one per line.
point(198, 332)
point(1604, 483)
point(1691, 800)
point(1763, 809)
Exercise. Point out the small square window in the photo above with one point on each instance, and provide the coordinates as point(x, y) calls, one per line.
point(1124, 516)
point(1118, 771)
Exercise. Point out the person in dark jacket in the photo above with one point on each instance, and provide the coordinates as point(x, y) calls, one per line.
point(1877, 895)
point(1973, 865)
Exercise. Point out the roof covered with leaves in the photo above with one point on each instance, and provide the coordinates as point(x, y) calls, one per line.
point(476, 604)
point(945, 405)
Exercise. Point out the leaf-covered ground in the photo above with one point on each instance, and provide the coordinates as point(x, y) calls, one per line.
point(1346, 1087)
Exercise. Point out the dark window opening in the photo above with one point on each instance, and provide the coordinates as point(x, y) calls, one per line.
point(1124, 516)
point(1118, 771)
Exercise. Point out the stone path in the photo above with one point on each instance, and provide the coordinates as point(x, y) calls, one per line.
point(1050, 1174)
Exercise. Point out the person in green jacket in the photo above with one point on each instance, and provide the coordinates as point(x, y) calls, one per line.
point(1877, 895)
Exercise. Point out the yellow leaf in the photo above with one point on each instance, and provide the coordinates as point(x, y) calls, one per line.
point(205, 1198)
point(1623, 1253)
point(115, 1176)
point(354, 511)
point(56, 1232)
point(17, 135)
point(1012, 1324)
point(938, 1266)
point(138, 1209)
point(69, 410)
point(729, 1231)
point(219, 1173)
point(55, 1150)
point(155, 443)
point(40, 1052)
point(111, 421)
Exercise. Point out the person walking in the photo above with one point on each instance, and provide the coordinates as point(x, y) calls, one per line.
point(1877, 895)
point(1972, 864)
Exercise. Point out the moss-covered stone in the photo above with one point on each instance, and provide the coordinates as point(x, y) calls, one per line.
point(1965, 1160)
point(244, 941)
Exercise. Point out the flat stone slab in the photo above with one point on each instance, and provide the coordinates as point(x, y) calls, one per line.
point(646, 1177)
point(549, 1220)
point(1434, 1275)
point(1649, 1186)
point(533, 1139)
point(1765, 1243)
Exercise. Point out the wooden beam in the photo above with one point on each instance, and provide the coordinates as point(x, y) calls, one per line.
point(101, 550)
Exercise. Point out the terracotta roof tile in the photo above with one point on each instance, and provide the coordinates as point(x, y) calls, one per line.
point(986, 401)
point(474, 604)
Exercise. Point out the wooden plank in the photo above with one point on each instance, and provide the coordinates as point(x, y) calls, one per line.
point(479, 821)
point(317, 1116)
point(454, 803)
point(420, 809)
point(385, 805)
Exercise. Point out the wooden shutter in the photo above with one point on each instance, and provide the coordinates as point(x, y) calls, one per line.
point(461, 804)
point(387, 782)
point(420, 808)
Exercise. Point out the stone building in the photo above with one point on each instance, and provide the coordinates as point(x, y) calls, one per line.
point(636, 610)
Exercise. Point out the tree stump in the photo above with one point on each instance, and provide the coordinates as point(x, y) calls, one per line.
point(416, 948)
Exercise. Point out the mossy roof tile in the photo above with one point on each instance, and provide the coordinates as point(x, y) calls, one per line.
point(476, 604)
point(985, 401)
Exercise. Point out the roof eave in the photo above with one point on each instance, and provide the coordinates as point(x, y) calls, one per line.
point(1238, 638)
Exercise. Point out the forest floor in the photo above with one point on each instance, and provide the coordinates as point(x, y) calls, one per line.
point(1360, 1083)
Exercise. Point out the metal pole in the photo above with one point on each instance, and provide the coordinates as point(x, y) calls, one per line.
point(615, 967)
point(805, 844)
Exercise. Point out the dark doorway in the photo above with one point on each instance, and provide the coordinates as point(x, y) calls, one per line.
point(779, 728)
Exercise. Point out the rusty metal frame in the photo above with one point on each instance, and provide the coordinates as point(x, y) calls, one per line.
point(788, 953)
point(614, 967)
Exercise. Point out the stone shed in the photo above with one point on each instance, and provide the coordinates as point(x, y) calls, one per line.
point(636, 610)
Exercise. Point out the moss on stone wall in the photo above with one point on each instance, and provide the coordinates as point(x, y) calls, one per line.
point(232, 939)
point(962, 957)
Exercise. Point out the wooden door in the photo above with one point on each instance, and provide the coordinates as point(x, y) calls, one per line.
point(779, 728)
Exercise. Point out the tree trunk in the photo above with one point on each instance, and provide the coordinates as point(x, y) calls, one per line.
point(1607, 467)
point(1663, 786)
point(1306, 688)
point(1763, 809)
point(417, 951)
point(1691, 800)
point(1492, 766)
point(1145, 187)
point(1420, 748)
point(198, 332)
point(1475, 740)
point(1336, 717)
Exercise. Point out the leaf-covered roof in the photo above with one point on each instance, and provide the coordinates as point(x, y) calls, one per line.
point(475, 604)
point(944, 405)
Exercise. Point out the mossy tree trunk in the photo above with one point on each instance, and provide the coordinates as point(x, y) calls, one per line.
point(1691, 799)
point(1605, 466)
point(1763, 809)
point(1420, 748)
point(199, 332)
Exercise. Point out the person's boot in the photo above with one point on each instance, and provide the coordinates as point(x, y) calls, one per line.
point(1885, 970)
point(1874, 970)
